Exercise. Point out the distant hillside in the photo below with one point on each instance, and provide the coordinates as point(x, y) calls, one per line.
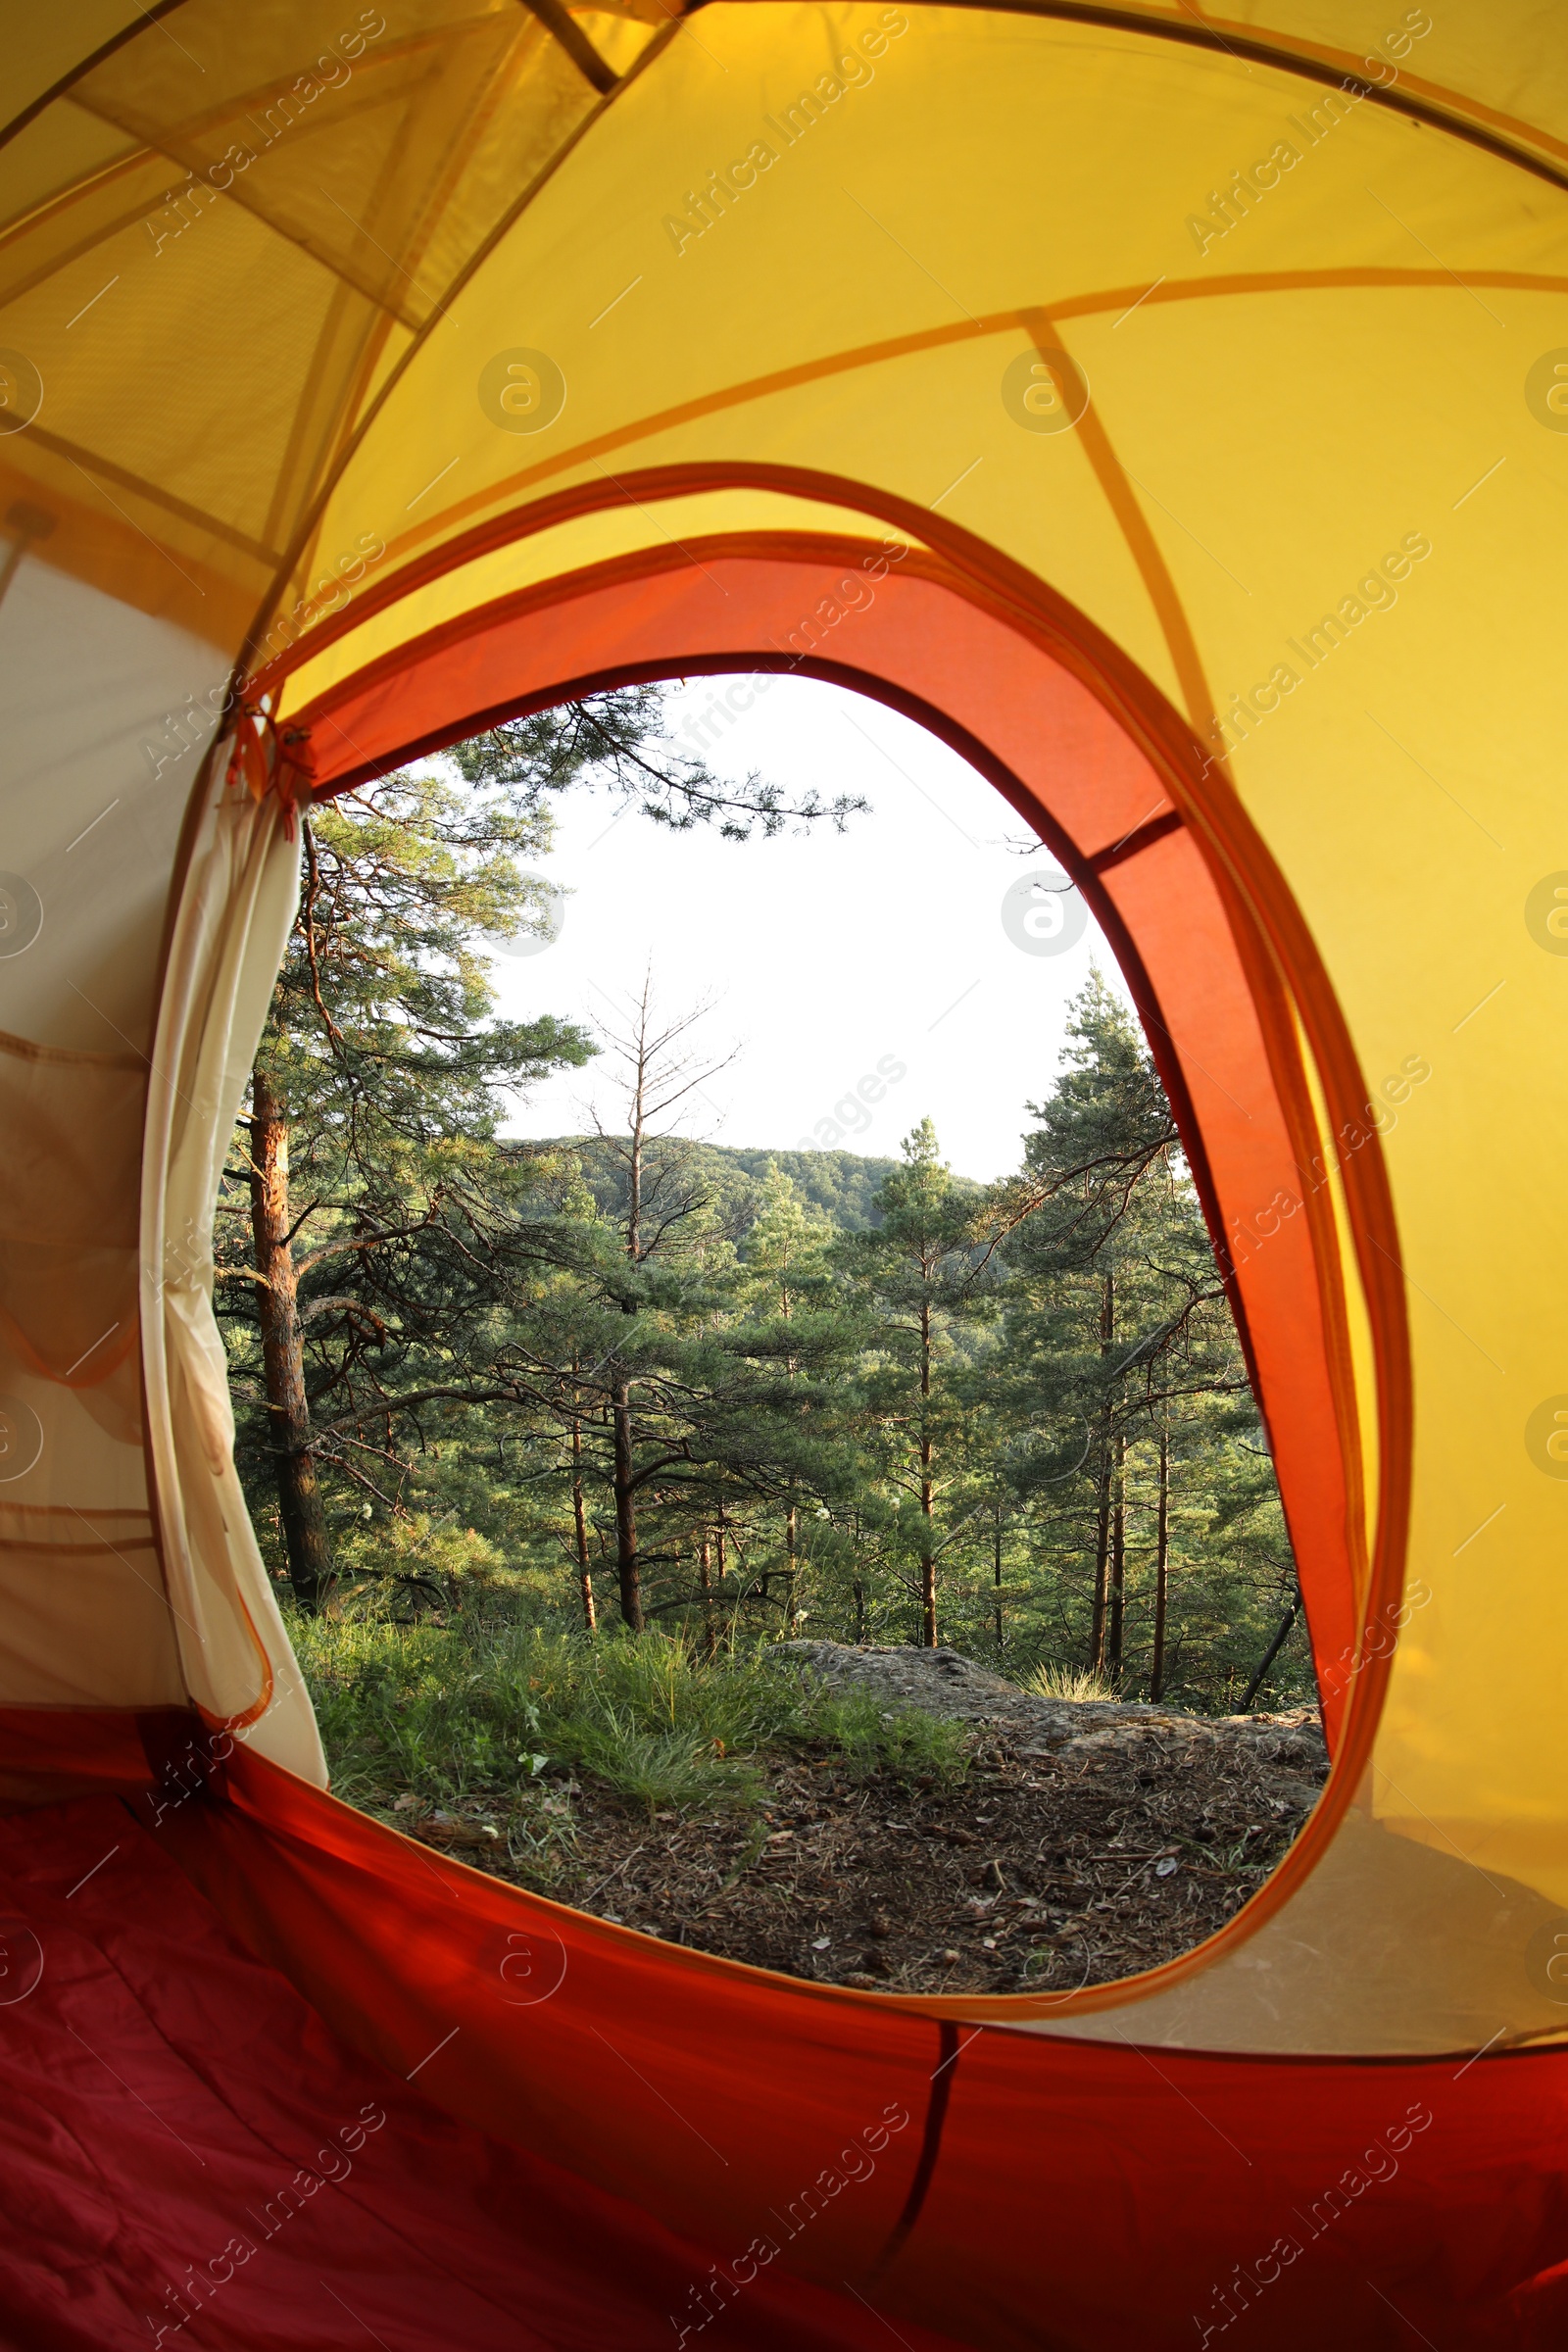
point(840, 1183)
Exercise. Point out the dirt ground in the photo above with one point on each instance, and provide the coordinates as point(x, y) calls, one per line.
point(1088, 1842)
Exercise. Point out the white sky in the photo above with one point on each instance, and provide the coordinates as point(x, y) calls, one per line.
point(825, 954)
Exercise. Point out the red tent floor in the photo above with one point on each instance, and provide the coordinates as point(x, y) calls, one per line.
point(190, 2156)
point(198, 2149)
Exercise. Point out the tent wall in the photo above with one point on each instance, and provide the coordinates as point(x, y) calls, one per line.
point(118, 1044)
point(89, 839)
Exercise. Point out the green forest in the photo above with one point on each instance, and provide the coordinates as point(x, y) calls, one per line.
point(631, 1381)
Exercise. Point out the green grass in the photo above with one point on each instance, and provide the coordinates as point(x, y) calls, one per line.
point(489, 1704)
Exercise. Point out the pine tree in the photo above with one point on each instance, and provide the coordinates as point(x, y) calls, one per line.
point(384, 1070)
point(1118, 1349)
point(924, 1270)
point(375, 1094)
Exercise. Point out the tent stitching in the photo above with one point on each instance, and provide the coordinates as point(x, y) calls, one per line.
point(1240, 42)
point(893, 347)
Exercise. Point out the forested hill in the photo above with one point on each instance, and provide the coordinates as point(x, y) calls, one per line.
point(841, 1184)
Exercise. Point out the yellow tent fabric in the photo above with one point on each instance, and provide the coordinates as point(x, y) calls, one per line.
point(1222, 358)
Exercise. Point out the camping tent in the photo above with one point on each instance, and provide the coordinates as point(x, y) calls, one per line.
point(1158, 404)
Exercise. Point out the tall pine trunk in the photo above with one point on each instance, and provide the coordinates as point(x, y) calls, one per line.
point(1118, 1554)
point(306, 1550)
point(1097, 1629)
point(1156, 1671)
point(1096, 1636)
point(1261, 1672)
point(628, 1566)
point(579, 1515)
point(928, 1549)
point(995, 1569)
point(792, 1567)
point(705, 1576)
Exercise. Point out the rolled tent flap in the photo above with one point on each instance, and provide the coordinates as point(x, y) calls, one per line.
point(1182, 399)
point(235, 911)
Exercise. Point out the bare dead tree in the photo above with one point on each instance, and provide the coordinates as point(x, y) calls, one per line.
point(661, 1201)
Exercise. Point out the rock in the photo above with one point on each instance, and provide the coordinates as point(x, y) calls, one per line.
point(447, 1832)
point(940, 1681)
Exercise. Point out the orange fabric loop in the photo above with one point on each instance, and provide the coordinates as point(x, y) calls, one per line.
point(266, 758)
